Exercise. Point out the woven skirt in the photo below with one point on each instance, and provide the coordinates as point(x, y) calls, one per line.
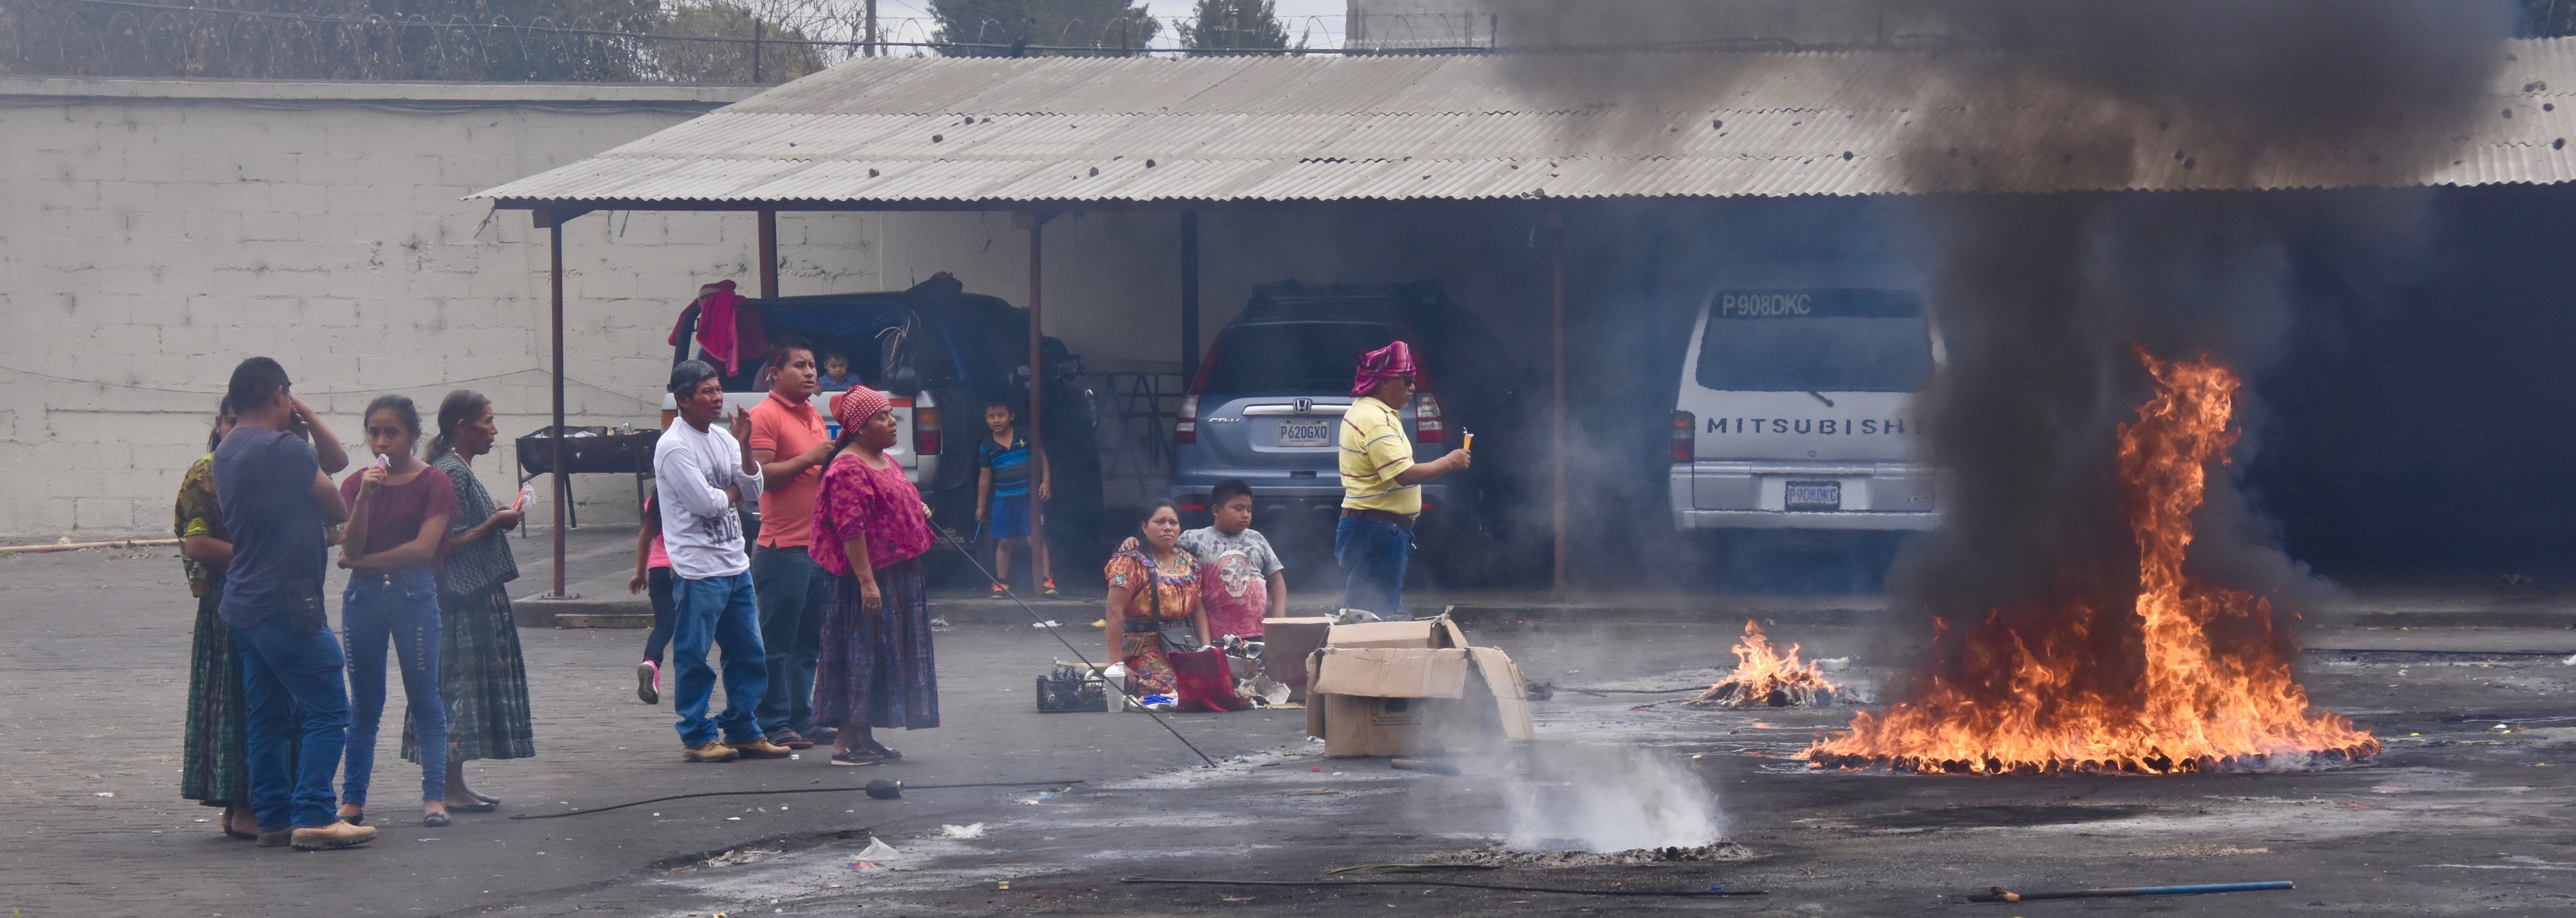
point(880, 675)
point(483, 679)
point(214, 755)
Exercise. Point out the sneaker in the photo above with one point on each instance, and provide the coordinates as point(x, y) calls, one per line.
point(1050, 587)
point(820, 735)
point(339, 834)
point(858, 757)
point(647, 676)
point(760, 749)
point(792, 740)
point(711, 752)
point(1000, 591)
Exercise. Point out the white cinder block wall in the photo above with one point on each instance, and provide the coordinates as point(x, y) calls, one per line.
point(154, 233)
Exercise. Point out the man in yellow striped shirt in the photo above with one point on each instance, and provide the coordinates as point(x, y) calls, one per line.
point(1381, 484)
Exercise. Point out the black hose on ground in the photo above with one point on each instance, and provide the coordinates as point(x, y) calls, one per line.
point(796, 790)
point(1498, 887)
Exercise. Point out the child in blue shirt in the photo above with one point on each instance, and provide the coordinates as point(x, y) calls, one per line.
point(1002, 495)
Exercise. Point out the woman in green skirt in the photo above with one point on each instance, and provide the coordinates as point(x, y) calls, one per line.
point(481, 673)
point(213, 767)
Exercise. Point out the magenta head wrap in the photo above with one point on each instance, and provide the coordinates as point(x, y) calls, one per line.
point(1395, 359)
point(853, 408)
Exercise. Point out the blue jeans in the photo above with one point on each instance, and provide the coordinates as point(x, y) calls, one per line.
point(791, 590)
point(717, 611)
point(284, 670)
point(404, 607)
point(1374, 553)
point(665, 614)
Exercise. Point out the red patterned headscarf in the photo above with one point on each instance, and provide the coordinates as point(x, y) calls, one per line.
point(1395, 359)
point(853, 408)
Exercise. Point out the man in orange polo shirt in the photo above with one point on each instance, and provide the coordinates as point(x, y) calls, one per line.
point(787, 440)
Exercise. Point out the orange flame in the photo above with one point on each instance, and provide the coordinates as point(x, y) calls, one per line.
point(1764, 676)
point(2212, 687)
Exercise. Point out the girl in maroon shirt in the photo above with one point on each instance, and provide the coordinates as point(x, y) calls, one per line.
point(398, 512)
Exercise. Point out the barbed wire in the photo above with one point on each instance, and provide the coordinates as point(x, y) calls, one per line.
point(761, 41)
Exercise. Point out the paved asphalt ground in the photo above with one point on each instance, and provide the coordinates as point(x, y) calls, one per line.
point(2458, 817)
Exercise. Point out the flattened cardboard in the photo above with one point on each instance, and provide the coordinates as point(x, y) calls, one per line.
point(1432, 633)
point(1285, 644)
point(1510, 689)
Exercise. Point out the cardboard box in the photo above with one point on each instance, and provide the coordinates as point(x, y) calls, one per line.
point(1379, 701)
point(1285, 644)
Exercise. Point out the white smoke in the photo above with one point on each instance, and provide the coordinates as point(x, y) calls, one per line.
point(1605, 799)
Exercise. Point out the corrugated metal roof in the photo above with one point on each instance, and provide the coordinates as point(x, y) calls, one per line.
point(937, 131)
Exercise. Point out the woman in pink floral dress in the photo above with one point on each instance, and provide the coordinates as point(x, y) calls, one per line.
point(870, 530)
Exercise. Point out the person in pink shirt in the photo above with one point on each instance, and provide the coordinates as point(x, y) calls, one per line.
point(870, 530)
point(653, 572)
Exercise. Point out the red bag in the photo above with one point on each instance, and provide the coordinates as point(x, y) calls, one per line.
point(1205, 681)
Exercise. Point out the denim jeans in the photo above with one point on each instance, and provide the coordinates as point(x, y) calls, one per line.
point(285, 670)
point(1374, 553)
point(717, 611)
point(791, 589)
point(404, 607)
point(665, 614)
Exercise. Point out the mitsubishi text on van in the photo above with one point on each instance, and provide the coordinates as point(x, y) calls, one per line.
point(1797, 412)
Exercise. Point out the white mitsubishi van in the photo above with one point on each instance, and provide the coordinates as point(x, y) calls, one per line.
point(1797, 412)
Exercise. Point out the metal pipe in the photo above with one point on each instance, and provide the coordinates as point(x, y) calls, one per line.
point(872, 29)
point(1037, 384)
point(563, 480)
point(1556, 398)
point(768, 254)
point(2005, 895)
point(1189, 296)
point(755, 49)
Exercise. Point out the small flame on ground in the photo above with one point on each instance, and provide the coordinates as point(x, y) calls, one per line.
point(1764, 677)
point(2213, 688)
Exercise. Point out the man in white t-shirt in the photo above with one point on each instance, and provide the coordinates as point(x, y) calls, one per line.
point(702, 474)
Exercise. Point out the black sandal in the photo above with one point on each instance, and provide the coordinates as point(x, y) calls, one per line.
point(858, 757)
point(479, 806)
point(434, 820)
point(358, 818)
point(883, 752)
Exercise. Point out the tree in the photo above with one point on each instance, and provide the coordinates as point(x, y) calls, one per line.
point(1235, 24)
point(1112, 24)
point(730, 62)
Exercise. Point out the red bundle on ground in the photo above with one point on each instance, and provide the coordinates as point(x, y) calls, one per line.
point(1205, 681)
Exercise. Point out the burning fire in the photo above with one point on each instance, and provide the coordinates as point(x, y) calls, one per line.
point(1765, 677)
point(2208, 688)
